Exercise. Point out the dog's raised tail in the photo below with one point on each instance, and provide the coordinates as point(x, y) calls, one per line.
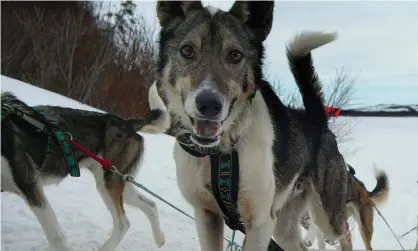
point(298, 52)
point(379, 194)
point(158, 119)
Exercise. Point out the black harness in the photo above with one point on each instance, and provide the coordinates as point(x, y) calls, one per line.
point(224, 177)
point(224, 181)
point(47, 125)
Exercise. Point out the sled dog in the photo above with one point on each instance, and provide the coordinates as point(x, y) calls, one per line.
point(357, 205)
point(26, 167)
point(209, 73)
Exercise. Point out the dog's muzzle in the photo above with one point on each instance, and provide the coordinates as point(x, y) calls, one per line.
point(207, 126)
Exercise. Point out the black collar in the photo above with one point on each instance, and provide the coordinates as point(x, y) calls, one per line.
point(183, 138)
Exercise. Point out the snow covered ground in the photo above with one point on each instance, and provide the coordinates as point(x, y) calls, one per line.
point(390, 143)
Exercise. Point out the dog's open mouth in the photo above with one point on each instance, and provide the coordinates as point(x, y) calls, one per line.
point(206, 132)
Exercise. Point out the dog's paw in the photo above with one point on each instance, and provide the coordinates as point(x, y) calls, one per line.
point(307, 242)
point(159, 239)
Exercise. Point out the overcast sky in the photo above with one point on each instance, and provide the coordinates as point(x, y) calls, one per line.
point(378, 43)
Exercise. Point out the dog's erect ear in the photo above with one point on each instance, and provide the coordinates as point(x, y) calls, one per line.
point(257, 15)
point(169, 10)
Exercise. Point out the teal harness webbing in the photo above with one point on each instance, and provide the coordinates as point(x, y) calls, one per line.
point(49, 127)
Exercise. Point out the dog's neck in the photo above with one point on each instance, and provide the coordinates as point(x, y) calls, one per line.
point(252, 123)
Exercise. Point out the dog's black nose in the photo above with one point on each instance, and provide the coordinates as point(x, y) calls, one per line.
point(208, 104)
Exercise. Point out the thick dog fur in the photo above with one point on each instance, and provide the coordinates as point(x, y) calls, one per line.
point(25, 167)
point(362, 209)
point(206, 52)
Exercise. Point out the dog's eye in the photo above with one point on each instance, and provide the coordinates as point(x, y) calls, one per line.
point(186, 51)
point(235, 56)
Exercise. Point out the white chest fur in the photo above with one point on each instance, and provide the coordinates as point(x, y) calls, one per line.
point(193, 178)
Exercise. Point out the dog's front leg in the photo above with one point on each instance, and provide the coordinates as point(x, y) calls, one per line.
point(256, 212)
point(257, 189)
point(258, 237)
point(210, 228)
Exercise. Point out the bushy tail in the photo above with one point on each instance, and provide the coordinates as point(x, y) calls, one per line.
point(300, 61)
point(379, 194)
point(158, 119)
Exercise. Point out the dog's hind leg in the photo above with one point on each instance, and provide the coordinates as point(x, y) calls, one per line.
point(320, 239)
point(333, 232)
point(111, 189)
point(136, 199)
point(345, 239)
point(210, 228)
point(330, 200)
point(366, 225)
point(287, 232)
point(314, 232)
point(309, 238)
point(25, 184)
point(49, 223)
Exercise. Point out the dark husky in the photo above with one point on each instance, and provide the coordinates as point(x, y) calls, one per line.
point(358, 206)
point(26, 166)
point(210, 74)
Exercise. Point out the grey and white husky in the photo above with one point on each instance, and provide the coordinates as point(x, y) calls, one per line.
point(26, 166)
point(210, 77)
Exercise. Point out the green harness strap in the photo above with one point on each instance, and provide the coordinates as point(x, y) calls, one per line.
point(44, 125)
point(67, 151)
point(64, 143)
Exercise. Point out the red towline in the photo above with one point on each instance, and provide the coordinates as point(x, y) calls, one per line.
point(106, 163)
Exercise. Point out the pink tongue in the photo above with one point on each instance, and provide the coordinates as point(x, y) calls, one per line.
point(205, 128)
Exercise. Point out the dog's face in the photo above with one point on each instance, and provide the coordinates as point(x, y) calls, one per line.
point(210, 60)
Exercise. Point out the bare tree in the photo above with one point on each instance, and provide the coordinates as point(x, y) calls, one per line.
point(138, 57)
point(65, 44)
point(290, 98)
point(18, 44)
point(340, 94)
point(32, 24)
point(102, 57)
